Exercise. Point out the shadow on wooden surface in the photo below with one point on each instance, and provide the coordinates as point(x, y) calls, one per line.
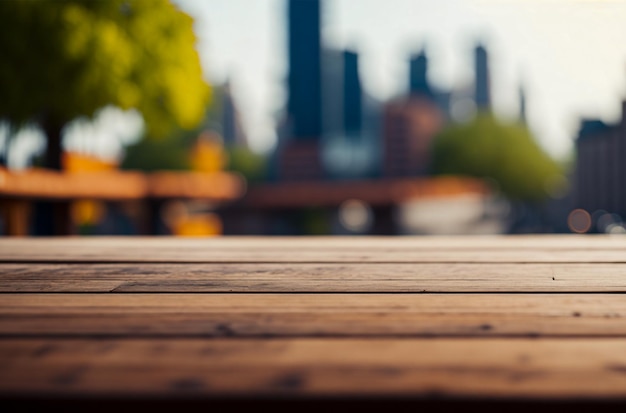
point(344, 404)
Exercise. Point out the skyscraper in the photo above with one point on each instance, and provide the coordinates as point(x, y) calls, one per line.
point(418, 76)
point(352, 95)
point(482, 95)
point(409, 124)
point(600, 170)
point(298, 153)
point(232, 129)
point(419, 85)
point(305, 80)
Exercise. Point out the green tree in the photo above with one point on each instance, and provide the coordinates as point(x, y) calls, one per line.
point(252, 166)
point(173, 153)
point(66, 59)
point(148, 155)
point(506, 154)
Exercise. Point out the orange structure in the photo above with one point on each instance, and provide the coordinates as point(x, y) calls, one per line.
point(87, 190)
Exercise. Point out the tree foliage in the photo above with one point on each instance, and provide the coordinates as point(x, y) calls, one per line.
point(66, 59)
point(251, 165)
point(506, 154)
point(170, 153)
point(183, 150)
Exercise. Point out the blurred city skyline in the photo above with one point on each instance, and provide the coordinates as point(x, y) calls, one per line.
point(566, 72)
point(336, 92)
point(563, 53)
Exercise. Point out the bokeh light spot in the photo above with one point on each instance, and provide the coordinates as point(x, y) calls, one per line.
point(579, 221)
point(355, 215)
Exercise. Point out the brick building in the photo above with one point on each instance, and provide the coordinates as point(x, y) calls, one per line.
point(409, 126)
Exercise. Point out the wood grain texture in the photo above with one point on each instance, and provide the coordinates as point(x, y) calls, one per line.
point(307, 277)
point(313, 315)
point(456, 367)
point(537, 248)
point(500, 317)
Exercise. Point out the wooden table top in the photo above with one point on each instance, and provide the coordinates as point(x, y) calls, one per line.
point(500, 322)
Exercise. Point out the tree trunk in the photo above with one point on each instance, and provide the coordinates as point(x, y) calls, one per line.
point(4, 157)
point(52, 217)
point(53, 158)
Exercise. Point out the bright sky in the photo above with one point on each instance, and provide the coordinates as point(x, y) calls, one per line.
point(570, 55)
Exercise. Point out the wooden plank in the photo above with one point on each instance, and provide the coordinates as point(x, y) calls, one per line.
point(120, 185)
point(194, 324)
point(525, 241)
point(558, 248)
point(321, 277)
point(550, 368)
point(47, 184)
point(313, 315)
point(216, 186)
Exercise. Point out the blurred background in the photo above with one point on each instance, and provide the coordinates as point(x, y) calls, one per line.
point(312, 117)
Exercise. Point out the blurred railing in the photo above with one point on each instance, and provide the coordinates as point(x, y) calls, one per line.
point(18, 189)
point(366, 206)
point(227, 205)
point(375, 192)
